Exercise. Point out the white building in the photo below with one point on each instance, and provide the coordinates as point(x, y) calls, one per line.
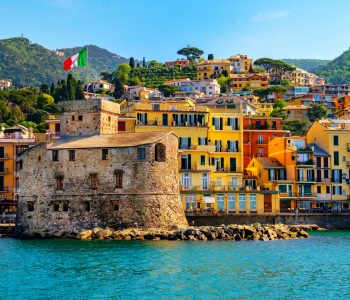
point(5, 84)
point(100, 85)
point(209, 87)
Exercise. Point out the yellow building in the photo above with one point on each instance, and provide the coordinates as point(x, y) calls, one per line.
point(210, 153)
point(240, 63)
point(209, 69)
point(333, 136)
point(264, 109)
point(252, 81)
point(12, 142)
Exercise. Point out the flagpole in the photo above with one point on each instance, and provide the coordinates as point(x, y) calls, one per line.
point(86, 73)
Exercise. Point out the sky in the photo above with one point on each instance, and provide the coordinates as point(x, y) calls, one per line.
point(156, 29)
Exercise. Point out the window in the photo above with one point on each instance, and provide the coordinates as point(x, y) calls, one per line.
point(318, 189)
point(190, 202)
point(186, 161)
point(73, 118)
point(156, 106)
point(55, 155)
point(231, 202)
point(56, 206)
point(80, 118)
point(336, 158)
point(221, 202)
point(30, 205)
point(160, 152)
point(141, 153)
point(202, 160)
point(93, 181)
point(115, 205)
point(72, 155)
point(119, 179)
point(242, 202)
point(87, 205)
point(104, 154)
point(59, 183)
point(186, 180)
point(335, 140)
point(253, 202)
point(65, 205)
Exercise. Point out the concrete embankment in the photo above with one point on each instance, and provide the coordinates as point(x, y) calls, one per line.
point(224, 232)
point(328, 221)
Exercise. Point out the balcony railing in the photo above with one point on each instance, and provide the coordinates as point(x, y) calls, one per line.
point(4, 171)
point(262, 142)
point(4, 156)
point(309, 162)
point(6, 189)
point(217, 188)
point(306, 179)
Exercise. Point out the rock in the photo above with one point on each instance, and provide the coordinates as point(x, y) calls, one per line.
point(101, 233)
point(303, 234)
point(202, 237)
point(127, 237)
point(255, 236)
point(211, 236)
point(84, 235)
point(264, 237)
point(191, 237)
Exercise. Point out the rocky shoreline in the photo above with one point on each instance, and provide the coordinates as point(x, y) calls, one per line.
point(204, 233)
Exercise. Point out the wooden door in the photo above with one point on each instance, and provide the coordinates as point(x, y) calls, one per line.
point(121, 125)
point(267, 203)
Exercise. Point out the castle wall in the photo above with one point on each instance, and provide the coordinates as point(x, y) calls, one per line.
point(149, 196)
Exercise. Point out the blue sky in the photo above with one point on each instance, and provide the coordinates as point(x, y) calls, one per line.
point(156, 29)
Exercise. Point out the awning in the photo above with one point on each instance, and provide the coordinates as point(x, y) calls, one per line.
point(208, 199)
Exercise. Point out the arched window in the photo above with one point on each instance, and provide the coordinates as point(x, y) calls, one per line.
point(160, 152)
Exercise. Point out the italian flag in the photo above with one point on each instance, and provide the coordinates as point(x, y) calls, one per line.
point(77, 60)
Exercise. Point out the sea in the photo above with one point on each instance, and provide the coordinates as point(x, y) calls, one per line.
point(314, 268)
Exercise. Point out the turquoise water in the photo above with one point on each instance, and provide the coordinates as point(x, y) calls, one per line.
point(66, 269)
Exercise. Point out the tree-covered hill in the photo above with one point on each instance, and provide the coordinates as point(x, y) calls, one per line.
point(30, 64)
point(336, 71)
point(306, 64)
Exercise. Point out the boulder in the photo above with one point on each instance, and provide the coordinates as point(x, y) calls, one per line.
point(101, 233)
point(302, 234)
point(85, 235)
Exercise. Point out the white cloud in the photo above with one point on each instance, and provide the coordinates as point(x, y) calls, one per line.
point(269, 16)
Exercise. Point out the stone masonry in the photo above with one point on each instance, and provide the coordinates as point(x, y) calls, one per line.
point(120, 179)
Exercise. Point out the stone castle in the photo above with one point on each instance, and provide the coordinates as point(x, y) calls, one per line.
point(94, 176)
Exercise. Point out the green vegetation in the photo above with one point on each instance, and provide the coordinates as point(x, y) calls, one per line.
point(168, 90)
point(191, 53)
point(276, 89)
point(271, 64)
point(278, 111)
point(296, 127)
point(28, 64)
point(306, 64)
point(336, 71)
point(317, 111)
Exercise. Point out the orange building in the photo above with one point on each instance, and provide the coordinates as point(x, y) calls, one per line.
point(257, 132)
point(251, 81)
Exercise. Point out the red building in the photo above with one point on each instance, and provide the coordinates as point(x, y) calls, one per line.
point(257, 132)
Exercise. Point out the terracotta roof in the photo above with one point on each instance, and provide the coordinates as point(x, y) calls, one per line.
point(269, 162)
point(117, 140)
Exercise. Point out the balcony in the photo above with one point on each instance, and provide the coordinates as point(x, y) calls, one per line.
point(307, 163)
point(215, 188)
point(260, 127)
point(262, 142)
point(305, 179)
point(4, 156)
point(4, 171)
point(348, 146)
point(6, 190)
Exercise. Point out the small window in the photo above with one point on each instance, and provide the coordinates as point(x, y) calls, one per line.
point(56, 206)
point(318, 190)
point(119, 179)
point(93, 181)
point(73, 118)
point(39, 158)
point(115, 205)
point(202, 160)
point(104, 154)
point(30, 205)
point(160, 152)
point(335, 140)
point(55, 155)
point(87, 206)
point(72, 155)
point(65, 205)
point(59, 183)
point(109, 118)
point(80, 118)
point(141, 153)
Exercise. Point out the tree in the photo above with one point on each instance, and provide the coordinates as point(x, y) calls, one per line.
point(276, 67)
point(79, 94)
point(44, 88)
point(167, 89)
point(134, 81)
point(223, 81)
point(118, 89)
point(52, 89)
point(191, 53)
point(210, 56)
point(144, 62)
point(278, 111)
point(296, 127)
point(43, 100)
point(317, 111)
point(132, 62)
point(122, 73)
point(138, 65)
point(71, 87)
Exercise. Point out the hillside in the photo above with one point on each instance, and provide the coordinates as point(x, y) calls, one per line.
point(336, 71)
point(307, 64)
point(30, 64)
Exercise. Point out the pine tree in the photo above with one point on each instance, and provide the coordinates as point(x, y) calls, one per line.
point(79, 94)
point(44, 88)
point(52, 89)
point(118, 89)
point(132, 62)
point(138, 65)
point(71, 87)
point(143, 62)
